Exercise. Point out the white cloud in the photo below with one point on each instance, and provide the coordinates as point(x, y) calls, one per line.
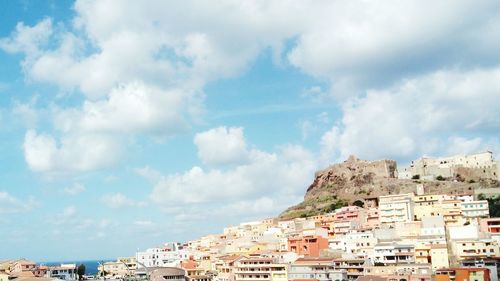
point(355, 44)
point(10, 204)
point(27, 112)
point(409, 119)
point(146, 64)
point(221, 146)
point(119, 200)
point(131, 108)
point(282, 176)
point(75, 189)
point(28, 39)
point(75, 153)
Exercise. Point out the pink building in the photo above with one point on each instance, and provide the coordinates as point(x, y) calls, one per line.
point(491, 225)
point(372, 219)
point(347, 218)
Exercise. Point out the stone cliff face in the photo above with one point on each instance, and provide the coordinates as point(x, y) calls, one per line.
point(359, 180)
point(353, 173)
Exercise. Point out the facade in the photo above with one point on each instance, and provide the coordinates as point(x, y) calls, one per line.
point(321, 269)
point(475, 209)
point(491, 225)
point(168, 256)
point(476, 274)
point(471, 166)
point(372, 218)
point(410, 272)
point(395, 208)
point(393, 253)
point(475, 249)
point(354, 267)
point(167, 273)
point(348, 218)
point(125, 266)
point(64, 272)
point(260, 269)
point(308, 246)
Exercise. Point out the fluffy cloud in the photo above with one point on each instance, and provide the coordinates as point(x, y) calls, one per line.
point(119, 200)
point(11, 204)
point(281, 176)
point(222, 146)
point(409, 119)
point(146, 64)
point(357, 44)
point(74, 153)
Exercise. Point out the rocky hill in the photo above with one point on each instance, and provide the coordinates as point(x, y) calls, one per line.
point(359, 180)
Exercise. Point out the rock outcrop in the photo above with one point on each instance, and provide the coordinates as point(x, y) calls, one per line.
point(354, 179)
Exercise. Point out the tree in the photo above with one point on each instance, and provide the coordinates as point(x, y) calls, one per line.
point(81, 271)
point(415, 177)
point(359, 203)
point(440, 178)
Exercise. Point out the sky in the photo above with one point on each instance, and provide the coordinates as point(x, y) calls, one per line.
point(127, 124)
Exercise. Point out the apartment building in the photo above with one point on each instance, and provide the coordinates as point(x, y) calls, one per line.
point(349, 218)
point(354, 267)
point(395, 208)
point(124, 266)
point(475, 249)
point(260, 269)
point(456, 274)
point(491, 225)
point(434, 254)
point(321, 269)
point(63, 271)
point(308, 246)
point(475, 209)
point(170, 255)
point(388, 253)
point(409, 272)
point(360, 244)
point(225, 266)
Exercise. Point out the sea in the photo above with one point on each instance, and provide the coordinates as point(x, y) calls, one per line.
point(90, 266)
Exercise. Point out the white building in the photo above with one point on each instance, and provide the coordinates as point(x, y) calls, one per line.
point(64, 272)
point(475, 209)
point(168, 256)
point(394, 253)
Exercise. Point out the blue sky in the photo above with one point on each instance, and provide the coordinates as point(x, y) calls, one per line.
point(125, 125)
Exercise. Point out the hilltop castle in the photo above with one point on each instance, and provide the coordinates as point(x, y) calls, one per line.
point(471, 167)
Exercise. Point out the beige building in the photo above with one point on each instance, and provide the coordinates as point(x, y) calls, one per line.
point(434, 254)
point(125, 266)
point(395, 208)
point(475, 249)
point(260, 269)
point(479, 165)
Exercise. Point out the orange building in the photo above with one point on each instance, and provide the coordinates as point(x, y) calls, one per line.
point(479, 274)
point(309, 246)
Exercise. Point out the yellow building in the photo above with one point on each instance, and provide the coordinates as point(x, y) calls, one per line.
point(425, 205)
